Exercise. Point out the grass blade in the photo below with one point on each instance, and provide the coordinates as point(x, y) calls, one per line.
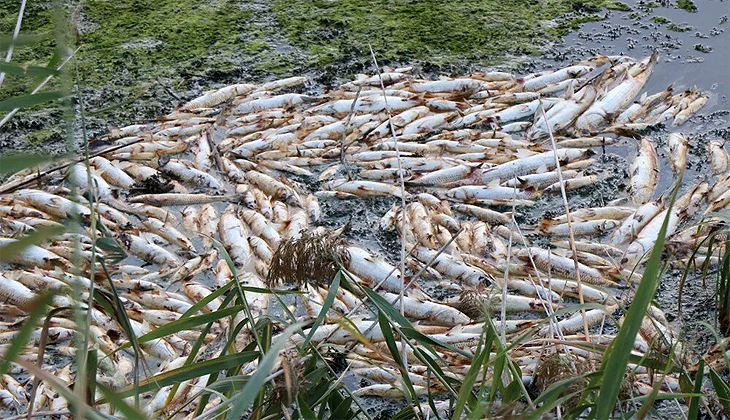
point(91, 363)
point(184, 324)
point(12, 249)
point(118, 403)
point(393, 348)
point(617, 355)
point(188, 372)
point(258, 379)
point(6, 41)
point(325, 307)
point(305, 412)
point(722, 388)
point(694, 402)
point(27, 70)
point(25, 101)
point(12, 163)
point(465, 393)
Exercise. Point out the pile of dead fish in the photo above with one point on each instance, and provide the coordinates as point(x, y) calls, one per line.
point(248, 165)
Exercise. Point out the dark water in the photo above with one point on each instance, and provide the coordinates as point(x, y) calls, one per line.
point(679, 62)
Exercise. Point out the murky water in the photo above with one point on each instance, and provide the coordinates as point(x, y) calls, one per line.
point(680, 63)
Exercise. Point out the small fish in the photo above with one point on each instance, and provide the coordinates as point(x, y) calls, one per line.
point(366, 188)
point(33, 256)
point(470, 193)
point(172, 199)
point(147, 251)
point(456, 86)
point(16, 293)
point(288, 100)
point(186, 173)
point(450, 267)
point(634, 223)
point(483, 214)
point(643, 171)
point(169, 233)
point(572, 184)
point(591, 227)
point(444, 176)
point(219, 96)
point(718, 157)
point(677, 146)
point(233, 234)
point(540, 82)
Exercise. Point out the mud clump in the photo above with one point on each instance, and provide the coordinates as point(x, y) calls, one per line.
point(152, 185)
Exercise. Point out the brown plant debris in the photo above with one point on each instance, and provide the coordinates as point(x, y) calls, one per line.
point(313, 258)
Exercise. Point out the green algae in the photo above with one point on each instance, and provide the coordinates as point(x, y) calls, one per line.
point(126, 46)
point(678, 28)
point(130, 43)
point(159, 37)
point(660, 19)
point(42, 136)
point(617, 5)
point(482, 32)
point(687, 5)
point(703, 48)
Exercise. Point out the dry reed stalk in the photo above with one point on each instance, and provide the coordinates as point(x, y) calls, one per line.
point(402, 197)
point(9, 55)
point(567, 217)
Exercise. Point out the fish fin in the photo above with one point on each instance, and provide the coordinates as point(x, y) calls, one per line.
point(570, 90)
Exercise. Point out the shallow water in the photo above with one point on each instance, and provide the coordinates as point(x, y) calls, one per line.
point(679, 62)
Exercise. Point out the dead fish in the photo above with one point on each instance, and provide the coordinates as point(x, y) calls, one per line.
point(644, 171)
